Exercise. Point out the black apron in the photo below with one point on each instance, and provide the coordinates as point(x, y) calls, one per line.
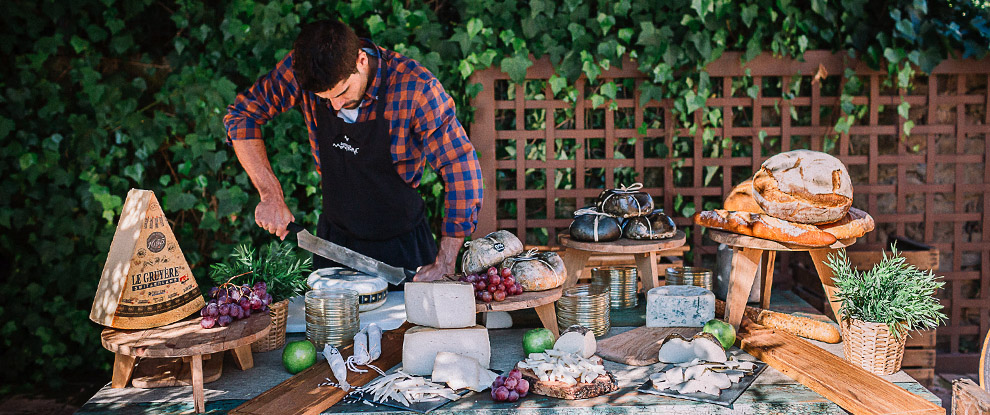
point(367, 206)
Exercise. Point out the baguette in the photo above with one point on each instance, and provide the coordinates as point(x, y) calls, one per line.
point(765, 227)
point(797, 325)
point(856, 223)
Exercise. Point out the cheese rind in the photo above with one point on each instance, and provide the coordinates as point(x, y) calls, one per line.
point(420, 347)
point(679, 306)
point(444, 305)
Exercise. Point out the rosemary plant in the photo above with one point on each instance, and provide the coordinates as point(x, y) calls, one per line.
point(277, 265)
point(894, 293)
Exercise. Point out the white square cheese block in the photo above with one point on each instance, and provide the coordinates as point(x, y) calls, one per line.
point(420, 346)
point(679, 306)
point(444, 305)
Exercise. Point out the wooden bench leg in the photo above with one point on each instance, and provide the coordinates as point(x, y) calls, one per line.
point(646, 266)
point(199, 399)
point(548, 316)
point(819, 257)
point(243, 357)
point(574, 260)
point(745, 262)
point(766, 277)
point(123, 368)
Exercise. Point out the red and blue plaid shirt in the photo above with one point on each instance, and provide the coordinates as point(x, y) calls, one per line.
point(424, 128)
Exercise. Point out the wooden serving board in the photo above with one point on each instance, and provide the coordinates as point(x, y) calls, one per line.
point(849, 386)
point(528, 299)
point(302, 395)
point(625, 245)
point(602, 385)
point(639, 346)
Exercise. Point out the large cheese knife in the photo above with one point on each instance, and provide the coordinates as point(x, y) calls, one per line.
point(347, 257)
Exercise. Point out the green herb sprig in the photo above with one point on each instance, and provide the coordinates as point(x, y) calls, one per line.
point(894, 293)
point(277, 265)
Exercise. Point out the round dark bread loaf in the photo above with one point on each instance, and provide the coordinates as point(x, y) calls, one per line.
point(803, 186)
point(537, 271)
point(488, 251)
point(764, 226)
point(590, 225)
point(625, 202)
point(656, 225)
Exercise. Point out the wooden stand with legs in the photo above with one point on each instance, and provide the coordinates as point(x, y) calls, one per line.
point(577, 253)
point(751, 254)
point(174, 346)
point(541, 301)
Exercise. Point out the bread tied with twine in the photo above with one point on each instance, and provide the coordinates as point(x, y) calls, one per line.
point(590, 225)
point(625, 202)
point(537, 271)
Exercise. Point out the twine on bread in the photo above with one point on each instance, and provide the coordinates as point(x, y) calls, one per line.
point(531, 256)
point(593, 211)
point(622, 189)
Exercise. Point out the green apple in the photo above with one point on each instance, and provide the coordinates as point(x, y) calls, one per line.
point(537, 340)
point(724, 332)
point(298, 356)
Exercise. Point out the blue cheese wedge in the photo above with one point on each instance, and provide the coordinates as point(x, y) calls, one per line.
point(679, 306)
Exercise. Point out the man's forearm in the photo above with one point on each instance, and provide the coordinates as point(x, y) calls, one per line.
point(254, 159)
point(447, 254)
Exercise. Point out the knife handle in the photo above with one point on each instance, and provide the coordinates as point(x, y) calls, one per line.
point(294, 227)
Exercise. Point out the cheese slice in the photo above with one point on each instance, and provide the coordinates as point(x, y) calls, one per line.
point(457, 371)
point(679, 306)
point(445, 305)
point(420, 346)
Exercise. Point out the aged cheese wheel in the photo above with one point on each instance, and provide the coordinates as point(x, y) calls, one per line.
point(656, 225)
point(740, 199)
point(625, 202)
point(803, 186)
point(488, 251)
point(372, 291)
point(590, 225)
point(856, 223)
point(146, 280)
point(537, 271)
point(764, 226)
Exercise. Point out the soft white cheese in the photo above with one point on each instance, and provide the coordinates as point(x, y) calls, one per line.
point(444, 305)
point(679, 306)
point(420, 346)
point(457, 371)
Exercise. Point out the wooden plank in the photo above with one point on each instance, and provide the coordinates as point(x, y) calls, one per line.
point(639, 346)
point(923, 358)
point(923, 376)
point(969, 399)
point(302, 395)
point(849, 386)
point(528, 299)
point(921, 339)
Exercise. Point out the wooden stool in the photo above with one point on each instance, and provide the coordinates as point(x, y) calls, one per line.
point(188, 341)
point(750, 253)
point(645, 251)
point(541, 301)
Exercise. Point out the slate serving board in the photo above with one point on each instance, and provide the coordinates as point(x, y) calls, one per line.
point(726, 398)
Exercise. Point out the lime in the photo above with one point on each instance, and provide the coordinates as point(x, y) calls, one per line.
point(298, 356)
point(537, 340)
point(724, 332)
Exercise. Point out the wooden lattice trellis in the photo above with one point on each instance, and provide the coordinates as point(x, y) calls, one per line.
point(541, 161)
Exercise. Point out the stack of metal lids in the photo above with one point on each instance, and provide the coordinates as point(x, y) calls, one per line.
point(586, 306)
point(701, 277)
point(621, 282)
point(372, 290)
point(332, 317)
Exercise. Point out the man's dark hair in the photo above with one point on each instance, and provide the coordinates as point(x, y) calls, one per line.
point(325, 53)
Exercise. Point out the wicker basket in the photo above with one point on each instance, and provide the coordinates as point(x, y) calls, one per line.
point(276, 337)
point(872, 346)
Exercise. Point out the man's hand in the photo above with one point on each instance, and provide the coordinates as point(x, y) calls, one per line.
point(274, 216)
point(446, 259)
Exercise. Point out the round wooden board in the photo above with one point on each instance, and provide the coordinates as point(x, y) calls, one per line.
point(186, 337)
point(529, 299)
point(625, 246)
point(743, 241)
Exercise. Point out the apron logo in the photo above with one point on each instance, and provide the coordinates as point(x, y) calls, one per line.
point(347, 147)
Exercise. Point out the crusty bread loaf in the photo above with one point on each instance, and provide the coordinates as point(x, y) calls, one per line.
point(803, 186)
point(740, 199)
point(764, 226)
point(856, 223)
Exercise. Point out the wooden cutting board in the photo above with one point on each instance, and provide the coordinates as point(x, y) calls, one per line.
point(639, 346)
point(302, 393)
point(849, 386)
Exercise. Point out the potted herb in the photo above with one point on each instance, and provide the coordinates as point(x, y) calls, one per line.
point(880, 306)
point(284, 274)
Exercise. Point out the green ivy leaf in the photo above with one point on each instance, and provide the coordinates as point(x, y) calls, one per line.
point(605, 22)
point(375, 25)
point(6, 126)
point(557, 84)
point(749, 13)
point(626, 34)
point(609, 90)
point(474, 26)
point(597, 100)
point(903, 109)
point(516, 67)
point(78, 44)
point(908, 126)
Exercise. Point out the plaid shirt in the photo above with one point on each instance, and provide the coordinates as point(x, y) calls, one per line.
point(423, 125)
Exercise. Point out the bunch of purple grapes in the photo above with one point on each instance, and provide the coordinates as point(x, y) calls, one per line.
point(510, 388)
point(494, 284)
point(230, 302)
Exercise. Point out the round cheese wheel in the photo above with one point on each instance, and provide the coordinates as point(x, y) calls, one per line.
point(372, 291)
point(803, 186)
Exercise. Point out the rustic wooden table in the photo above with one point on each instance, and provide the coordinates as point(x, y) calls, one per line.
point(645, 251)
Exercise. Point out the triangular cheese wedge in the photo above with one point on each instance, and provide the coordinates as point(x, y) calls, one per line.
point(146, 281)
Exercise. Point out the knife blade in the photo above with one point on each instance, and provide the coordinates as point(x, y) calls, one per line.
point(347, 257)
